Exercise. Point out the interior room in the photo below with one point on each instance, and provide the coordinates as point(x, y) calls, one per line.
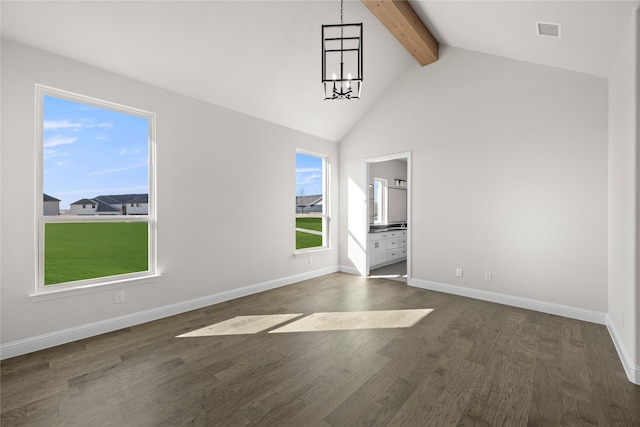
point(388, 218)
point(508, 130)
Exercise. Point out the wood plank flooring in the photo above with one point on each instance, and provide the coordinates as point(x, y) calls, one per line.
point(467, 363)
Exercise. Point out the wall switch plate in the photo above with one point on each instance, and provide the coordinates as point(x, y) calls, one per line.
point(459, 272)
point(118, 297)
point(488, 277)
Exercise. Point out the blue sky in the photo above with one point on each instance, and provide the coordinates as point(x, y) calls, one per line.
point(308, 175)
point(90, 151)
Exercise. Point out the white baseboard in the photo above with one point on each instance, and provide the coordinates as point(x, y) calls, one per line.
point(632, 370)
point(544, 307)
point(52, 339)
point(349, 270)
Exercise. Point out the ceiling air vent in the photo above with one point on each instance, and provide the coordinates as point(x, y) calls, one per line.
point(547, 29)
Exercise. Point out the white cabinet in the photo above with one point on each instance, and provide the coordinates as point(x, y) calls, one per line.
point(377, 250)
point(387, 247)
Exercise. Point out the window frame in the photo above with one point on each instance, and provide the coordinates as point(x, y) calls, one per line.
point(326, 217)
point(42, 220)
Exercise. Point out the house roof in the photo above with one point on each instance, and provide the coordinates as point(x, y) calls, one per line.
point(48, 198)
point(119, 199)
point(114, 199)
point(141, 198)
point(309, 200)
point(83, 202)
point(103, 207)
point(591, 33)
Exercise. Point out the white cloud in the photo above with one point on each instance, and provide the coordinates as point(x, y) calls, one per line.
point(58, 140)
point(100, 125)
point(66, 124)
point(50, 153)
point(309, 180)
point(127, 151)
point(308, 170)
point(61, 124)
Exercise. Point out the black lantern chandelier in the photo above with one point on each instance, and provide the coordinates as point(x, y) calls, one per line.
point(342, 60)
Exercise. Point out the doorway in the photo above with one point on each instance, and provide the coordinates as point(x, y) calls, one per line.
point(388, 222)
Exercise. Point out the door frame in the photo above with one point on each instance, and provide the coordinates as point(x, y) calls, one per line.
point(367, 174)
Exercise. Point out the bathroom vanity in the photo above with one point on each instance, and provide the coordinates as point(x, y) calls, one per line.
point(387, 245)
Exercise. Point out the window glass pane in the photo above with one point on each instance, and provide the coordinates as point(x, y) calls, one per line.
point(78, 251)
point(310, 222)
point(89, 152)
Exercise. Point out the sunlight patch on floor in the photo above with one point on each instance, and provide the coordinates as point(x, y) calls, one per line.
point(336, 321)
point(388, 276)
point(350, 320)
point(242, 325)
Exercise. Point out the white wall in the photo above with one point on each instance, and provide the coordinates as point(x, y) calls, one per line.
point(509, 176)
point(624, 193)
point(389, 170)
point(205, 154)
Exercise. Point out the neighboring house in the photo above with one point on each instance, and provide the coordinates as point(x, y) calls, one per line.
point(51, 206)
point(84, 207)
point(120, 204)
point(308, 204)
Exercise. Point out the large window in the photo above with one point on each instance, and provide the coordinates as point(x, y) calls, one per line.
point(96, 191)
point(312, 219)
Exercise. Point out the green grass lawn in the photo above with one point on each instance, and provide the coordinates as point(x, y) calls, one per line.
point(308, 240)
point(77, 251)
point(309, 223)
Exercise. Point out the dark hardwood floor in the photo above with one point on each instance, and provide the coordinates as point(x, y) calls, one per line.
point(466, 363)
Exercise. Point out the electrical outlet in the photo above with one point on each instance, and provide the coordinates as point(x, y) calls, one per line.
point(488, 277)
point(118, 297)
point(459, 272)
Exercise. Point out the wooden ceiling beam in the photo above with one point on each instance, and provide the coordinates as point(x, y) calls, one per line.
point(404, 23)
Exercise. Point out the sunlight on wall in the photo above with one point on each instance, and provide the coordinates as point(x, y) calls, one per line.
point(356, 242)
point(337, 321)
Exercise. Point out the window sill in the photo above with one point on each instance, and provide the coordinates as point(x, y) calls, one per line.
point(46, 294)
point(301, 252)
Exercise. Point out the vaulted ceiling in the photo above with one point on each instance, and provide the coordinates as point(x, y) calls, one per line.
point(262, 58)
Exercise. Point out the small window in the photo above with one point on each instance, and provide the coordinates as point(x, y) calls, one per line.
point(312, 213)
point(88, 144)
